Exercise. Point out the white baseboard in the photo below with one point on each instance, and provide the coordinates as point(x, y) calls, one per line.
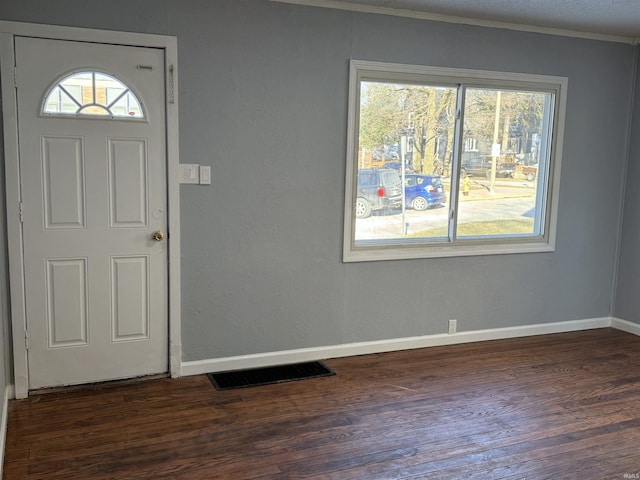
point(362, 348)
point(625, 326)
point(8, 393)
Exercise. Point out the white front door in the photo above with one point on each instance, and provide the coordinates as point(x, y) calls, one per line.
point(92, 145)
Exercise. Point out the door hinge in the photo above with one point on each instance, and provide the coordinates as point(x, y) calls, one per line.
point(26, 340)
point(20, 212)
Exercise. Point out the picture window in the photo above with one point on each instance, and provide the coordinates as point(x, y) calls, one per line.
point(449, 162)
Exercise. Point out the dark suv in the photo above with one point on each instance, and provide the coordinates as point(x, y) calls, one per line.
point(482, 166)
point(378, 188)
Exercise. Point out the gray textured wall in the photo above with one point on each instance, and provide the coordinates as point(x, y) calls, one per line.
point(627, 304)
point(263, 99)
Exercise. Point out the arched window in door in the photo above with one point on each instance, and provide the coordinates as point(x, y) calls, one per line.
point(95, 94)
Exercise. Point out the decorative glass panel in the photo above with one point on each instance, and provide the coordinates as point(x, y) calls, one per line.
point(92, 94)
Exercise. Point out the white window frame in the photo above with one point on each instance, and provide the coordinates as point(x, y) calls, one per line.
point(548, 192)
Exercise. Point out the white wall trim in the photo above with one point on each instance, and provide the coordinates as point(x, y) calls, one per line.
point(437, 17)
point(8, 30)
point(4, 419)
point(362, 348)
point(625, 326)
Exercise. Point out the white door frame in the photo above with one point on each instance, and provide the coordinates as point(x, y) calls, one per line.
point(9, 30)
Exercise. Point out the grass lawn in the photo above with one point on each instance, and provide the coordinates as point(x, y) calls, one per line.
point(493, 227)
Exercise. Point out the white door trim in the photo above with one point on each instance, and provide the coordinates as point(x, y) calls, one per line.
point(8, 30)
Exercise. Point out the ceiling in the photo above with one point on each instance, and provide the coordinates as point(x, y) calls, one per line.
point(617, 20)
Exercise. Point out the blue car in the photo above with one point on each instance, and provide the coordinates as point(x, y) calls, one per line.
point(423, 191)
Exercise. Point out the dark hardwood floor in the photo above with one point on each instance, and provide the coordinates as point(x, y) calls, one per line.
point(563, 406)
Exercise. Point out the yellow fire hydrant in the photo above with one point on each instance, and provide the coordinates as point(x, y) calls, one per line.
point(465, 184)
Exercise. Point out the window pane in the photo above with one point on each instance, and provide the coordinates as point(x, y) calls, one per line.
point(63, 100)
point(94, 110)
point(505, 146)
point(126, 106)
point(406, 136)
point(77, 84)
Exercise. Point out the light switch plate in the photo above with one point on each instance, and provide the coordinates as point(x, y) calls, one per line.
point(205, 175)
point(189, 173)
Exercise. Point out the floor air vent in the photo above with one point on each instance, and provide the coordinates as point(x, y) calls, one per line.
point(268, 375)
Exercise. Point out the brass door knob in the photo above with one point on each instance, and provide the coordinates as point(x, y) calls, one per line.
point(158, 236)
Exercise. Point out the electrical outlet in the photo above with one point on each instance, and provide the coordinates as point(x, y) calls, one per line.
point(453, 326)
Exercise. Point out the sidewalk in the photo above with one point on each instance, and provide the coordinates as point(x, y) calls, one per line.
point(479, 189)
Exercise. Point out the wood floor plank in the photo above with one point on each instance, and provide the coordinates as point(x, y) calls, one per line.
point(554, 406)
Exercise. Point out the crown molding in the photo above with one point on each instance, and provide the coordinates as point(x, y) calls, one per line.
point(356, 7)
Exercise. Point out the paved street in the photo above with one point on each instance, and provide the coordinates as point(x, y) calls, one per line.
point(510, 201)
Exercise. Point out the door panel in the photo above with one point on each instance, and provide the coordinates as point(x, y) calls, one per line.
point(130, 298)
point(128, 183)
point(63, 182)
point(67, 314)
point(95, 280)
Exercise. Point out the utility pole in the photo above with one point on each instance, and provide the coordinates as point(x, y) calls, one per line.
point(406, 151)
point(423, 147)
point(495, 148)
